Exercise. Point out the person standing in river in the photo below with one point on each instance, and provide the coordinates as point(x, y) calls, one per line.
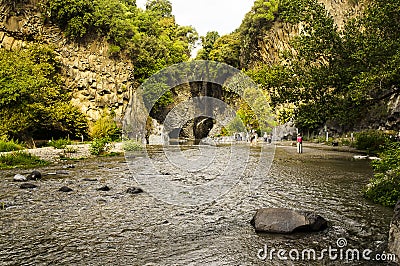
point(299, 143)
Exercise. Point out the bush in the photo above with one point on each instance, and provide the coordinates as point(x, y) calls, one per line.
point(371, 141)
point(20, 159)
point(105, 127)
point(6, 146)
point(100, 146)
point(132, 145)
point(60, 143)
point(384, 187)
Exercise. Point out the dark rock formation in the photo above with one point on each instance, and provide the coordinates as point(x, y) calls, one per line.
point(284, 221)
point(27, 186)
point(95, 79)
point(65, 189)
point(35, 175)
point(105, 188)
point(134, 190)
point(89, 179)
point(394, 233)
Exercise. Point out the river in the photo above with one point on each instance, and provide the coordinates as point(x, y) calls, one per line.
point(90, 227)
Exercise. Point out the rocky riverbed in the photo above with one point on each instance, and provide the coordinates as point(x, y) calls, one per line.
point(108, 227)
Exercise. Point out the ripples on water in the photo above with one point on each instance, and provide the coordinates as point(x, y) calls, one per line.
point(90, 227)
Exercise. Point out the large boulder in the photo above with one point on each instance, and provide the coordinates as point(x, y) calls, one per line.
point(284, 221)
point(394, 233)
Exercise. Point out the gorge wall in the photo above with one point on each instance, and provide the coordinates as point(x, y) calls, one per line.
point(276, 40)
point(94, 78)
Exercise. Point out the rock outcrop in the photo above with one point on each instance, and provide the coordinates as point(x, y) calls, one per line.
point(276, 39)
point(284, 221)
point(95, 79)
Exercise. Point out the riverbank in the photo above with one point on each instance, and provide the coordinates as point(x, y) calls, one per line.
point(82, 151)
point(71, 152)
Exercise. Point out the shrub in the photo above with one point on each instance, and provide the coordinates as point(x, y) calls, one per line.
point(132, 145)
point(384, 187)
point(6, 146)
point(105, 127)
point(20, 159)
point(60, 143)
point(100, 146)
point(371, 141)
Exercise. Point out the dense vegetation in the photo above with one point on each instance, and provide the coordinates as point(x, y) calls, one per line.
point(384, 187)
point(33, 101)
point(150, 38)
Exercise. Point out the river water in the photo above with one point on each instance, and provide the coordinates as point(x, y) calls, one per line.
point(43, 226)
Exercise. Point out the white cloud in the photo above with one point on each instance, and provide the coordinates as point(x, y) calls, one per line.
point(223, 16)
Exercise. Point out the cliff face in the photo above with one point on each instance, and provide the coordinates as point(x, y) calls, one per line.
point(95, 80)
point(276, 40)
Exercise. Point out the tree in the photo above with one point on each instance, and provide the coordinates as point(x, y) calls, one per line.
point(207, 44)
point(311, 76)
point(33, 102)
point(163, 8)
point(338, 77)
point(75, 17)
point(227, 49)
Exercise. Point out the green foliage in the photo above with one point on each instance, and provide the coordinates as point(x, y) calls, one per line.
point(105, 128)
point(33, 101)
point(6, 146)
point(20, 160)
point(254, 111)
point(261, 16)
point(384, 187)
point(59, 143)
point(389, 158)
point(161, 7)
point(100, 146)
point(75, 17)
point(132, 145)
point(343, 77)
point(208, 42)
point(150, 38)
point(236, 125)
point(372, 141)
point(227, 49)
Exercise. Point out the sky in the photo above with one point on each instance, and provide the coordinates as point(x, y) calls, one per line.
point(223, 16)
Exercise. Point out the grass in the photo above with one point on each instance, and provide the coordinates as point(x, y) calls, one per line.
point(6, 146)
point(132, 145)
point(59, 143)
point(20, 160)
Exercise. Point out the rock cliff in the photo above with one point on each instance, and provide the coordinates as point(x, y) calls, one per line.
point(95, 79)
point(276, 40)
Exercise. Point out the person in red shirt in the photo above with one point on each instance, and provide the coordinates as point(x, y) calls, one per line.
point(299, 143)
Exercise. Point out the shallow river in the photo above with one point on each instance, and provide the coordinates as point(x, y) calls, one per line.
point(174, 225)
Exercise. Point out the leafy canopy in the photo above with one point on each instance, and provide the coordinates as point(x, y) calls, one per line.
point(33, 101)
point(150, 38)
